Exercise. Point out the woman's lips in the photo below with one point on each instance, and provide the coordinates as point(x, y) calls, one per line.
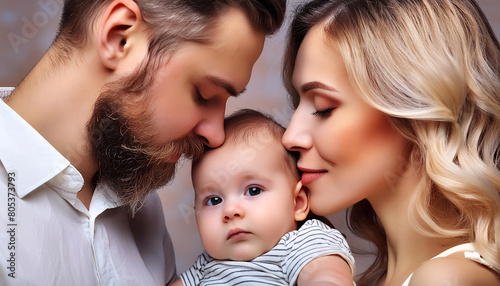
point(309, 177)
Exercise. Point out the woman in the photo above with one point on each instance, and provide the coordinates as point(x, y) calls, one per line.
point(398, 115)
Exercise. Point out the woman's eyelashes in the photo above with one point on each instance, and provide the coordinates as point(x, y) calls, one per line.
point(324, 112)
point(322, 104)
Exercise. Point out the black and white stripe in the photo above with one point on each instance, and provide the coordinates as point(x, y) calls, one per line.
point(280, 266)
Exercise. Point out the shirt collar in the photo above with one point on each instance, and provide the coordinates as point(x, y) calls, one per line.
point(34, 161)
point(102, 199)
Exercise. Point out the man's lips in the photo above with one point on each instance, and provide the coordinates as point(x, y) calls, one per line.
point(236, 233)
point(310, 175)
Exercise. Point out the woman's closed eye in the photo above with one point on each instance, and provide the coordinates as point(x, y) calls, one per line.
point(324, 112)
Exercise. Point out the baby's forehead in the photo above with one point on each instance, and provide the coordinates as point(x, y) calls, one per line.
point(239, 141)
point(236, 155)
point(247, 150)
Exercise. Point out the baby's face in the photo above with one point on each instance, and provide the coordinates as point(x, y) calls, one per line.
point(245, 199)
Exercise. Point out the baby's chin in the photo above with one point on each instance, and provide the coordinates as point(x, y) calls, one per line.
point(241, 255)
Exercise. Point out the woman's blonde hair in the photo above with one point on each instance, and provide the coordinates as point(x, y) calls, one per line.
point(434, 67)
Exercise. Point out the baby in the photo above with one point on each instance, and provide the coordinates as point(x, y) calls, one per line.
point(249, 204)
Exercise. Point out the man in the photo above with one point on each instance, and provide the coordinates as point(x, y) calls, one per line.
point(99, 123)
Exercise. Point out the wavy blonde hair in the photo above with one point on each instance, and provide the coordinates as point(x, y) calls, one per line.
point(434, 67)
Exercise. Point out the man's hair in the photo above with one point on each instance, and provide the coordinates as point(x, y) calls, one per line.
point(170, 22)
point(257, 129)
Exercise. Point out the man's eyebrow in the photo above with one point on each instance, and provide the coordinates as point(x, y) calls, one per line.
point(225, 85)
point(315, 84)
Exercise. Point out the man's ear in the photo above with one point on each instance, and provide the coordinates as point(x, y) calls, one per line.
point(120, 20)
point(301, 202)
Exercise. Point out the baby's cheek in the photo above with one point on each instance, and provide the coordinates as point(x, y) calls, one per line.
point(209, 233)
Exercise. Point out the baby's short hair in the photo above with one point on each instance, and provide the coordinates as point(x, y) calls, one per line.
point(246, 123)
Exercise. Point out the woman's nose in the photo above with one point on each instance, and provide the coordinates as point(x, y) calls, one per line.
point(297, 136)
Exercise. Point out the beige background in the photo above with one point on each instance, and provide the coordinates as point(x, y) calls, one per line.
point(27, 28)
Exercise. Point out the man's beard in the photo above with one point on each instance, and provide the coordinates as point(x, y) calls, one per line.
point(129, 160)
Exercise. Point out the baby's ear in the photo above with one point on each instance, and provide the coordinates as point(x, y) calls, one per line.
point(301, 202)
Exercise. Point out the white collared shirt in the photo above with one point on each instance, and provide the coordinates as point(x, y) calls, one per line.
point(48, 237)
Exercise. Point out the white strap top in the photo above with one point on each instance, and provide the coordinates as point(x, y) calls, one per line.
point(469, 252)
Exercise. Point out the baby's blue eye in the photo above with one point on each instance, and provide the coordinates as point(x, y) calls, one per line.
point(213, 201)
point(253, 191)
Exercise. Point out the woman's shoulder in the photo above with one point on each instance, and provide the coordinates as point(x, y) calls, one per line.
point(454, 270)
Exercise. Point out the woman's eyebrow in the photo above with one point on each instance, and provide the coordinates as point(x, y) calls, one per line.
point(315, 84)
